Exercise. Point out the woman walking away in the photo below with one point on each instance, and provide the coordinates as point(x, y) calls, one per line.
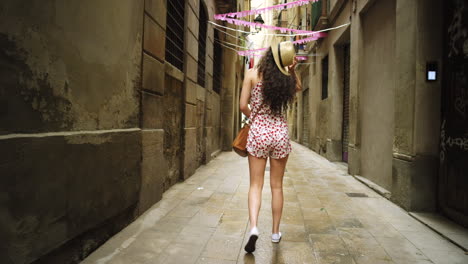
point(269, 88)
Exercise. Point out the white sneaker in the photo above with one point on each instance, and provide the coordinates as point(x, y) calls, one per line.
point(275, 238)
point(250, 246)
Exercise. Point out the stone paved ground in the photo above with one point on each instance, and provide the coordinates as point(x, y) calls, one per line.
point(205, 220)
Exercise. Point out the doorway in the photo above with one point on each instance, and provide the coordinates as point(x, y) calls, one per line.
point(453, 177)
point(377, 92)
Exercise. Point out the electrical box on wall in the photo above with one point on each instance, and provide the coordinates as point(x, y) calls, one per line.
point(431, 71)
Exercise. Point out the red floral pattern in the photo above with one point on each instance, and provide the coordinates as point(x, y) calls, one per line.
point(268, 134)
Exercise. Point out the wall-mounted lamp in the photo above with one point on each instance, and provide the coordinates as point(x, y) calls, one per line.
point(431, 71)
point(259, 20)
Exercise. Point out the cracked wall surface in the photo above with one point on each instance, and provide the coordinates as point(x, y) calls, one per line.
point(70, 143)
point(62, 69)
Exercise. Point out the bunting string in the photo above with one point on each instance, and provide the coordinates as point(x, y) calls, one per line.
point(299, 57)
point(250, 32)
point(232, 18)
point(300, 41)
point(256, 52)
point(224, 32)
point(238, 22)
point(280, 35)
point(227, 47)
point(319, 34)
point(262, 10)
point(231, 44)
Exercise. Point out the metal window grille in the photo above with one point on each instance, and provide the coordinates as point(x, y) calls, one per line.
point(217, 63)
point(175, 33)
point(325, 78)
point(201, 45)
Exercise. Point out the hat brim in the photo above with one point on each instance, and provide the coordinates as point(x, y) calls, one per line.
point(275, 46)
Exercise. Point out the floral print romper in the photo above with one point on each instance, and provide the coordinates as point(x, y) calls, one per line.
point(268, 134)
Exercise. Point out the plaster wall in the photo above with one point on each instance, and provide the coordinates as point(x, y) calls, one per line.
point(314, 100)
point(326, 115)
point(428, 94)
point(377, 93)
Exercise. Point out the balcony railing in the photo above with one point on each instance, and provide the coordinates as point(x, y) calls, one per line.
point(320, 14)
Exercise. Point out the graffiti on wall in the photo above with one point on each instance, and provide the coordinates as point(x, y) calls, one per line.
point(451, 142)
point(453, 187)
point(458, 33)
point(458, 53)
point(454, 129)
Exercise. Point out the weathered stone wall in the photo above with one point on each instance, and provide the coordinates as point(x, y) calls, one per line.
point(202, 104)
point(159, 109)
point(417, 135)
point(62, 69)
point(63, 187)
point(70, 143)
point(194, 94)
point(229, 101)
point(177, 113)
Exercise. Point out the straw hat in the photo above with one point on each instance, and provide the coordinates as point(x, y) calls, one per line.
point(283, 53)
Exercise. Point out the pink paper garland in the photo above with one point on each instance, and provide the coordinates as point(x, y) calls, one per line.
point(254, 52)
point(299, 58)
point(262, 10)
point(229, 17)
point(238, 22)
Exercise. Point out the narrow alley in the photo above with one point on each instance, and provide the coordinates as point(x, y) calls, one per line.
point(118, 121)
point(325, 220)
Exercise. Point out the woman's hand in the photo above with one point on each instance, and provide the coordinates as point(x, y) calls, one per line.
point(292, 66)
point(293, 73)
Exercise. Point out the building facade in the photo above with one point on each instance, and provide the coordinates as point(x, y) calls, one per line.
point(369, 98)
point(102, 109)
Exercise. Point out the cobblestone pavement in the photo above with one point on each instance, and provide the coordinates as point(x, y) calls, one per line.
point(205, 220)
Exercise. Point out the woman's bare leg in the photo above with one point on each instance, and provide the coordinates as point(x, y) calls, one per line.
point(257, 173)
point(277, 167)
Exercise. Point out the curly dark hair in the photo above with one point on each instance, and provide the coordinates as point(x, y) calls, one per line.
point(279, 89)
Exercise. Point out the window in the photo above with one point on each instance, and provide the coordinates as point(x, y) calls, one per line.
point(217, 63)
point(201, 45)
point(325, 78)
point(175, 33)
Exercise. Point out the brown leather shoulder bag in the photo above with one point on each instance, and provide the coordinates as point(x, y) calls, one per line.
point(240, 142)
